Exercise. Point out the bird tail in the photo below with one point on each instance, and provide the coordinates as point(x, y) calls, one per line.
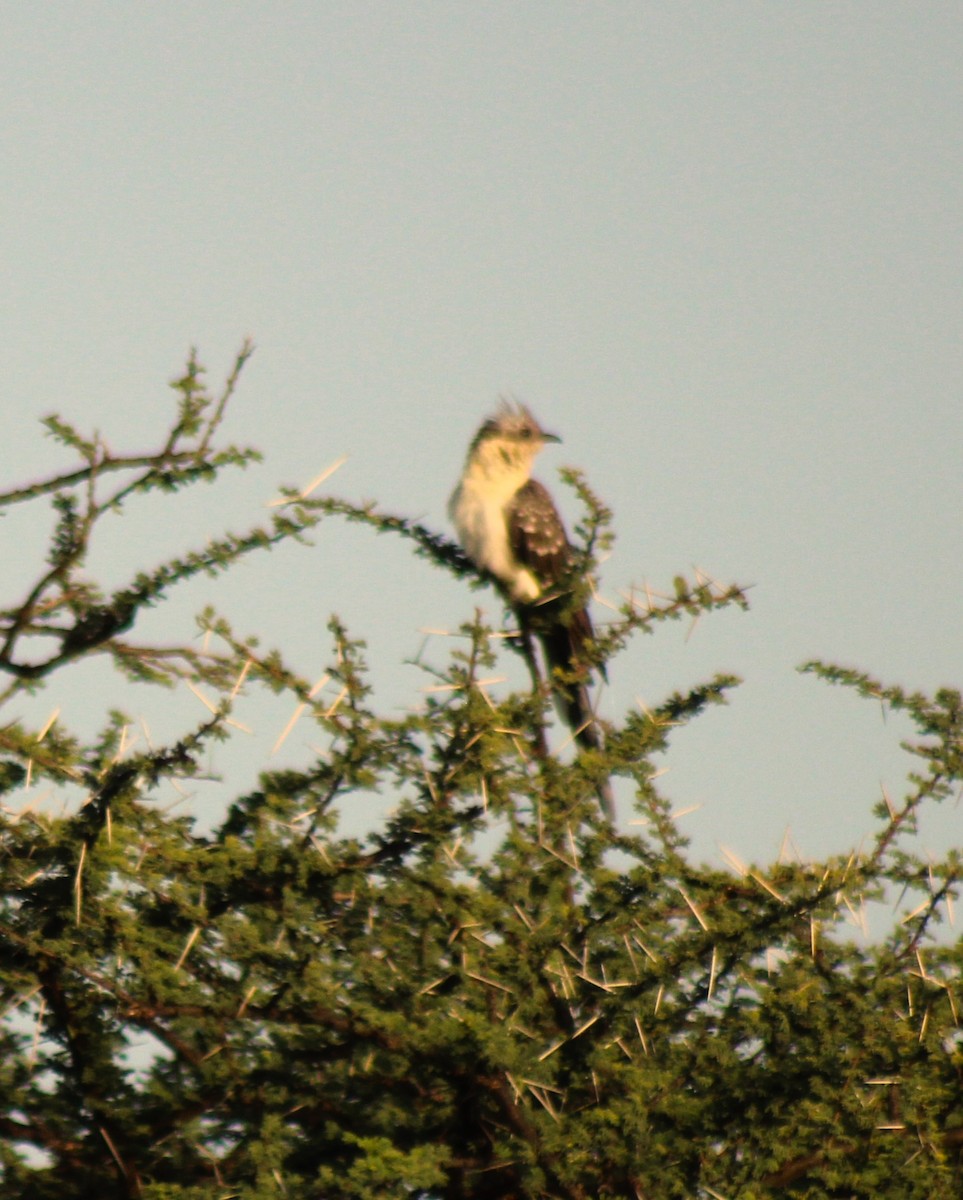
point(569, 677)
point(566, 645)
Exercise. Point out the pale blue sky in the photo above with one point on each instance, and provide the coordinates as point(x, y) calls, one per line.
point(717, 247)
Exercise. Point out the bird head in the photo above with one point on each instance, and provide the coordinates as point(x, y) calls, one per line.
point(513, 434)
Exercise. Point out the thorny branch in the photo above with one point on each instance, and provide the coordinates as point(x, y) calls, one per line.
point(62, 605)
point(488, 993)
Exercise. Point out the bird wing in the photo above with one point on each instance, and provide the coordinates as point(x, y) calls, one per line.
point(537, 535)
point(540, 543)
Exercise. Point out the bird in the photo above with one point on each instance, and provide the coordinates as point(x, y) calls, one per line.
point(509, 527)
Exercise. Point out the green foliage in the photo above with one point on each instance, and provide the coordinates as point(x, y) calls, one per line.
point(492, 993)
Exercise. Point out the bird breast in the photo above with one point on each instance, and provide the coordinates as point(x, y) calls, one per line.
point(477, 510)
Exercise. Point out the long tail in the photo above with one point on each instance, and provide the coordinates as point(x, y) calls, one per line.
point(565, 646)
point(564, 657)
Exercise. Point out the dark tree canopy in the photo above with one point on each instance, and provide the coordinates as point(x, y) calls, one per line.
point(493, 994)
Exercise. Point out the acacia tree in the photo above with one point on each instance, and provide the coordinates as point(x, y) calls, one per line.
point(493, 993)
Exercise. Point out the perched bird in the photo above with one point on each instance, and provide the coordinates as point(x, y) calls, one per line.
point(508, 525)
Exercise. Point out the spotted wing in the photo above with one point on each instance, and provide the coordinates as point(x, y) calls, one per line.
point(540, 543)
point(537, 535)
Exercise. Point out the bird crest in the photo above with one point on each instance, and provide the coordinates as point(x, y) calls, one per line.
point(513, 421)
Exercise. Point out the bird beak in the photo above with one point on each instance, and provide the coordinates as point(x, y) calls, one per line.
point(550, 437)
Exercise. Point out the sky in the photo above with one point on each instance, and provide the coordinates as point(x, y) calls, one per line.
point(717, 248)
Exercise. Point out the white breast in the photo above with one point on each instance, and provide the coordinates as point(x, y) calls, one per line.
point(477, 510)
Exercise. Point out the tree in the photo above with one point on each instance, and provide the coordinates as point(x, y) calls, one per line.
point(494, 993)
